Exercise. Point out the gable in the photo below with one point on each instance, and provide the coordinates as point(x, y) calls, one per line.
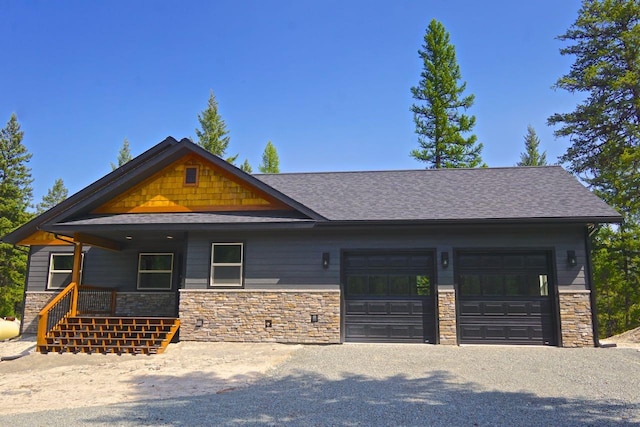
point(214, 190)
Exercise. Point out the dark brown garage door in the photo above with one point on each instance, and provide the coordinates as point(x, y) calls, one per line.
point(505, 298)
point(389, 296)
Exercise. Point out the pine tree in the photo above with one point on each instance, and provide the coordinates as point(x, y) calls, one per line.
point(55, 195)
point(124, 155)
point(532, 156)
point(246, 166)
point(605, 41)
point(213, 135)
point(15, 198)
point(439, 118)
point(270, 160)
point(604, 131)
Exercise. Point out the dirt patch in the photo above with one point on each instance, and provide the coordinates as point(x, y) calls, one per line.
point(39, 382)
point(627, 339)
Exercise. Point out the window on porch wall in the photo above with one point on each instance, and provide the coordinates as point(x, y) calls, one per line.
point(60, 269)
point(155, 271)
point(226, 264)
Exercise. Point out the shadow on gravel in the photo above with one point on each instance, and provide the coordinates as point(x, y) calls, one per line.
point(310, 400)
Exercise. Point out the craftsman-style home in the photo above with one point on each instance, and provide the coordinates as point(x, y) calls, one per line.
point(179, 244)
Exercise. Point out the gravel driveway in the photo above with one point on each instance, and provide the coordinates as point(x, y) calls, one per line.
point(346, 385)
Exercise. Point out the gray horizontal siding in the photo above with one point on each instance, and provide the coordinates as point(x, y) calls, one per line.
point(293, 259)
point(288, 259)
point(101, 267)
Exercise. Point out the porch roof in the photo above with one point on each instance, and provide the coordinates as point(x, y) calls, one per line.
point(181, 220)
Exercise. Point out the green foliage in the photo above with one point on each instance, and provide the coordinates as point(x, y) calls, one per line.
point(605, 144)
point(213, 135)
point(605, 40)
point(55, 195)
point(616, 270)
point(15, 198)
point(124, 155)
point(532, 156)
point(270, 160)
point(439, 118)
point(246, 166)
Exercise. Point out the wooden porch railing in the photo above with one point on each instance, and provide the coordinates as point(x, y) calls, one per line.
point(63, 305)
point(74, 300)
point(96, 300)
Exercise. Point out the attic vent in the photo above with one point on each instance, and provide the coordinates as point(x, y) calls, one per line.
point(191, 176)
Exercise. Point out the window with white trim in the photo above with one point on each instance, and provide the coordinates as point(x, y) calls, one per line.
point(226, 264)
point(60, 269)
point(155, 271)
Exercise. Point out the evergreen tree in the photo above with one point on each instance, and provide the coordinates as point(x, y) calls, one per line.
point(15, 198)
point(439, 118)
point(270, 160)
point(604, 131)
point(246, 166)
point(124, 155)
point(213, 135)
point(532, 156)
point(55, 195)
point(605, 41)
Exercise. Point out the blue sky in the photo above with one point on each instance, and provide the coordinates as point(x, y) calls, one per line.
point(326, 81)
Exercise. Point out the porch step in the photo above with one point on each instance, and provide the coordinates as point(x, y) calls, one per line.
point(134, 335)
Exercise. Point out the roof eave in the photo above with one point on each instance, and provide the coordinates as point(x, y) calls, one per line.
point(477, 221)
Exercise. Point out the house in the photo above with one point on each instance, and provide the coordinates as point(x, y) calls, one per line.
point(449, 256)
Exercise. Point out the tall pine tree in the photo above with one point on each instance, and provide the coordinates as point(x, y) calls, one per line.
point(124, 155)
point(270, 160)
point(604, 131)
point(55, 195)
point(213, 135)
point(531, 155)
point(439, 115)
point(15, 198)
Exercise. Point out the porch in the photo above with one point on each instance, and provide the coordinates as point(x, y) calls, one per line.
point(81, 319)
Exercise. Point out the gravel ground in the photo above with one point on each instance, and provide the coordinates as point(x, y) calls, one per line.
point(347, 385)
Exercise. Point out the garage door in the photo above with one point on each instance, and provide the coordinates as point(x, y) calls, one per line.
point(389, 296)
point(505, 298)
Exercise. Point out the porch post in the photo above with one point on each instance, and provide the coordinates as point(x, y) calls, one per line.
point(75, 275)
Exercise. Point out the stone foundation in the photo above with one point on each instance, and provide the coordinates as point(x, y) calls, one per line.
point(241, 316)
point(575, 318)
point(34, 302)
point(447, 316)
point(152, 304)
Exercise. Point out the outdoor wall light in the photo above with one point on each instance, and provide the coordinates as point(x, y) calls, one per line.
point(325, 260)
point(571, 258)
point(444, 259)
point(199, 323)
point(314, 318)
point(268, 323)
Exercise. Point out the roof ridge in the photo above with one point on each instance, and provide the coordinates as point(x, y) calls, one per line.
point(411, 170)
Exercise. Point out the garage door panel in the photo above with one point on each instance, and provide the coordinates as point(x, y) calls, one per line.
point(389, 296)
point(504, 298)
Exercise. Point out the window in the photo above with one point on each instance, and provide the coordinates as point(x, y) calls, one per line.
point(155, 271)
point(191, 176)
point(226, 264)
point(60, 268)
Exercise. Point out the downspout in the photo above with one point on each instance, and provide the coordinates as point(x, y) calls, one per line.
point(589, 231)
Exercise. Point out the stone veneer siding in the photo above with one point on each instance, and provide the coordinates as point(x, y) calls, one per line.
point(34, 301)
point(447, 316)
point(575, 318)
point(240, 315)
point(153, 304)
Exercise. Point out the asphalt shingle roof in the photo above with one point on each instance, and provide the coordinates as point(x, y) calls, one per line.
point(444, 194)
